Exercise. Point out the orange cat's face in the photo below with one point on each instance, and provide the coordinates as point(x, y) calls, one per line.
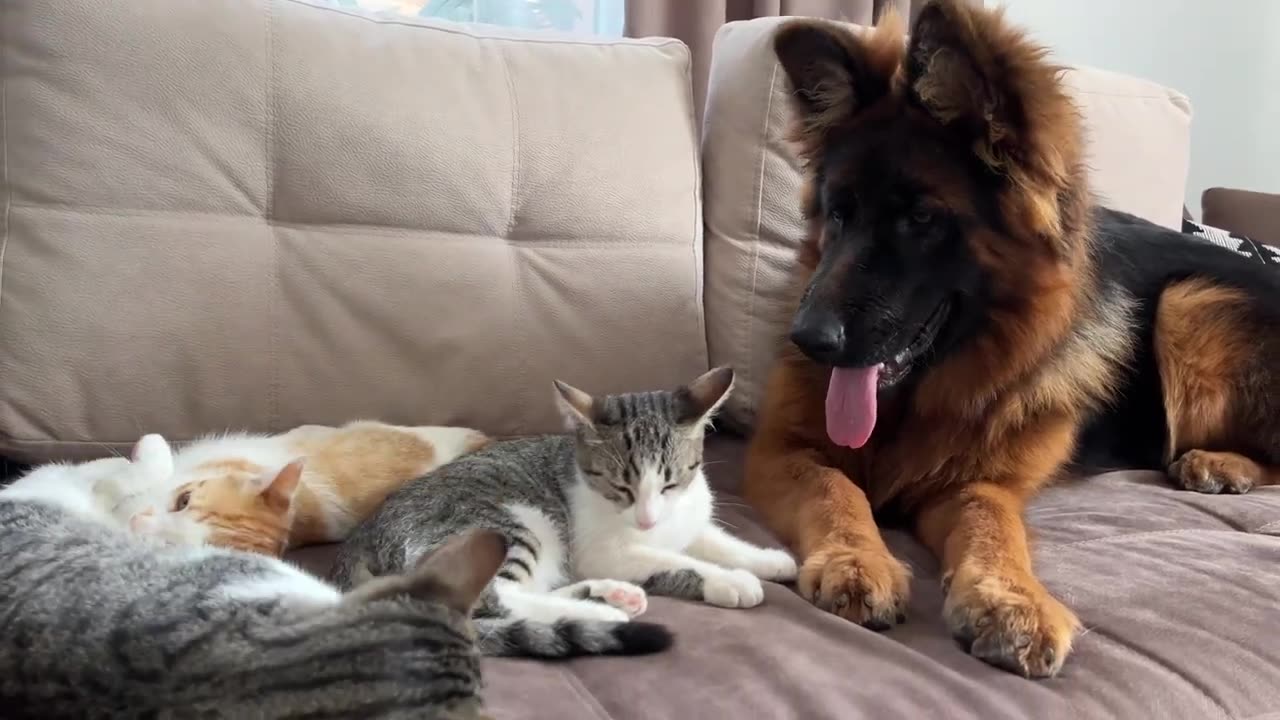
point(229, 503)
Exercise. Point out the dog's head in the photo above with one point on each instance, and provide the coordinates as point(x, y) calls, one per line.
point(943, 176)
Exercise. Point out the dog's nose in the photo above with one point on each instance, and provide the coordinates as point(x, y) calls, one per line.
point(818, 335)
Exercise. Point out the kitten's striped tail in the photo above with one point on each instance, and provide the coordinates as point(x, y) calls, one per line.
point(569, 637)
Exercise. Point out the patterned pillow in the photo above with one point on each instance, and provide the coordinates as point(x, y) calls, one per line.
point(1265, 254)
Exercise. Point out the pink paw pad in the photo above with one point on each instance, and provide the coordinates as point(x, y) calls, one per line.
point(627, 599)
point(143, 521)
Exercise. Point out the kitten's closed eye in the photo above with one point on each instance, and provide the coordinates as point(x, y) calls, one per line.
point(180, 503)
point(669, 486)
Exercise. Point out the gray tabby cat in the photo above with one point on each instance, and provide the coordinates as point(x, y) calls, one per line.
point(98, 623)
point(592, 520)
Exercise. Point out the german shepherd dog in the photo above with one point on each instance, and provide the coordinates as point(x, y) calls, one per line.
point(971, 325)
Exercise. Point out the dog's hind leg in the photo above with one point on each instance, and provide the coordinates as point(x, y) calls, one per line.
point(1220, 383)
point(1212, 472)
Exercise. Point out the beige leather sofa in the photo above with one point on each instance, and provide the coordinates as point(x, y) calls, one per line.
point(260, 213)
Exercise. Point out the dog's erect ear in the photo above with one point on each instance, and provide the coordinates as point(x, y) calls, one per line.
point(835, 72)
point(953, 73)
point(986, 80)
point(945, 68)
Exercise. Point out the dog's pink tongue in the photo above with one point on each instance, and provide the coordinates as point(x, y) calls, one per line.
point(851, 405)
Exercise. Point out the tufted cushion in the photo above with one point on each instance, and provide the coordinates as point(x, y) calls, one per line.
point(1139, 150)
point(257, 214)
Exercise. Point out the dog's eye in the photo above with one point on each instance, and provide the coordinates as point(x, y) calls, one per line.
point(181, 502)
point(922, 216)
point(835, 218)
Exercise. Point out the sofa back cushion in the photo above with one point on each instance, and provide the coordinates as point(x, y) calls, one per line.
point(1139, 149)
point(262, 213)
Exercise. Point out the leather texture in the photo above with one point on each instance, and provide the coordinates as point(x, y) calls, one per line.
point(1139, 149)
point(1255, 215)
point(255, 214)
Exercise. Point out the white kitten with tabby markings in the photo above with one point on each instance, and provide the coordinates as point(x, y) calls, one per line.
point(313, 484)
point(593, 521)
point(643, 510)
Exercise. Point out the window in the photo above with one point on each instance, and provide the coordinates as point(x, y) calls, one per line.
point(598, 17)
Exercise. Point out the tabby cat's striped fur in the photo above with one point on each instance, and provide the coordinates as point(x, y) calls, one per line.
point(98, 623)
point(594, 521)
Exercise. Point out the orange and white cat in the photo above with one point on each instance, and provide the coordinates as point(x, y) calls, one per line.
point(313, 484)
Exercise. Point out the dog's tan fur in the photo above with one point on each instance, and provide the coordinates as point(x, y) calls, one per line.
point(993, 422)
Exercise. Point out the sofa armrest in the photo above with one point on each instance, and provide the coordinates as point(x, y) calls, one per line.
point(1254, 215)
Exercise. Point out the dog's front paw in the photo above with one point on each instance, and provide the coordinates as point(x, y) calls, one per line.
point(1013, 624)
point(1214, 472)
point(732, 589)
point(775, 565)
point(866, 585)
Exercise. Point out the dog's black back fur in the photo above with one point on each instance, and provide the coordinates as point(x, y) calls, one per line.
point(1144, 259)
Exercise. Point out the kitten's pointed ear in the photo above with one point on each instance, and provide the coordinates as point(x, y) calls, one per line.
point(576, 407)
point(153, 456)
point(698, 401)
point(459, 571)
point(455, 574)
point(278, 494)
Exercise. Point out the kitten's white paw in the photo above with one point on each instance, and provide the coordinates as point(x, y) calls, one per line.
point(733, 589)
point(603, 613)
point(625, 596)
point(775, 565)
point(145, 522)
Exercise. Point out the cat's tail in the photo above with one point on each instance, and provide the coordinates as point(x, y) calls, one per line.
point(569, 637)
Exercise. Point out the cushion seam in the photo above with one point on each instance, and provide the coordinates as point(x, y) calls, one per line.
point(515, 141)
point(4, 156)
point(1147, 533)
point(1169, 670)
point(518, 330)
point(749, 356)
point(620, 42)
point(389, 230)
point(273, 301)
point(699, 239)
point(586, 696)
point(1267, 527)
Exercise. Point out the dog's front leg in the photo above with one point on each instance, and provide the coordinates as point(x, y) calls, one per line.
point(846, 567)
point(995, 605)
